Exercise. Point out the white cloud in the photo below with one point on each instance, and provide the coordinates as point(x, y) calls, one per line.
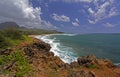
point(101, 11)
point(92, 22)
point(21, 12)
point(113, 12)
point(91, 11)
point(109, 25)
point(62, 18)
point(76, 22)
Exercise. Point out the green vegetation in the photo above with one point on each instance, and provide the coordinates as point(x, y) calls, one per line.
point(3, 41)
point(22, 66)
point(13, 33)
point(15, 60)
point(93, 66)
point(12, 37)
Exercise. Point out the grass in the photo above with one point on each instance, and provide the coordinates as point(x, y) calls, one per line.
point(9, 39)
point(12, 37)
point(22, 66)
point(3, 42)
point(93, 66)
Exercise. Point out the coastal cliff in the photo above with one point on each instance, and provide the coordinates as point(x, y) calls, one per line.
point(43, 63)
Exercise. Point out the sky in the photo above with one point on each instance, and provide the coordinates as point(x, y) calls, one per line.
point(70, 16)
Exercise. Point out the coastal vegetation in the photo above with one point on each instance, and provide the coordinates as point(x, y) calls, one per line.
point(13, 60)
point(11, 55)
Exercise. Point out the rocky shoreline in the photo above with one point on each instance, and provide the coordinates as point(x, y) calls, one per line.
point(45, 64)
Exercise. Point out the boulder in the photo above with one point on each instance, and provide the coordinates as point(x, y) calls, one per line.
point(41, 46)
point(86, 60)
point(92, 60)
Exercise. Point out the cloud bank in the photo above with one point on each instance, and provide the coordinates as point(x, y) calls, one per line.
point(21, 12)
point(97, 9)
point(62, 18)
point(103, 9)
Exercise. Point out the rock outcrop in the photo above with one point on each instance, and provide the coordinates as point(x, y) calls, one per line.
point(92, 60)
point(45, 63)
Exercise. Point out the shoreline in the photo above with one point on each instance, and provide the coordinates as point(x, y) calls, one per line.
point(37, 37)
point(88, 64)
point(54, 48)
point(48, 62)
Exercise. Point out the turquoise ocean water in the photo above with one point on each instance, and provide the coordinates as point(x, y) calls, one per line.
point(71, 46)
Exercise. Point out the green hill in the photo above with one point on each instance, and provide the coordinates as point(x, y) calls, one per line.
point(7, 25)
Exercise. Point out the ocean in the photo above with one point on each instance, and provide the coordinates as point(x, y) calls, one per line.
point(71, 46)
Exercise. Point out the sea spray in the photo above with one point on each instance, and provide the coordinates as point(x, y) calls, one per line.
point(65, 53)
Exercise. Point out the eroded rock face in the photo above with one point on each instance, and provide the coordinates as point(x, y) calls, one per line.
point(92, 60)
point(87, 60)
point(41, 46)
point(35, 48)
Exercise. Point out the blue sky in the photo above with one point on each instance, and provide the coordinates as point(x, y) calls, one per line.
point(71, 16)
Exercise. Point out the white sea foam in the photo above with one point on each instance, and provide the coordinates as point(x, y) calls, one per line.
point(118, 64)
point(64, 52)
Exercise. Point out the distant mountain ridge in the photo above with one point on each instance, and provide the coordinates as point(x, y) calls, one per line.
point(6, 25)
point(33, 31)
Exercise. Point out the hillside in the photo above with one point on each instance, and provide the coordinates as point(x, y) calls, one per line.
point(6, 25)
point(33, 31)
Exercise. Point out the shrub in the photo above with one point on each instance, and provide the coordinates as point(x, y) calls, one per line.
point(3, 41)
point(14, 34)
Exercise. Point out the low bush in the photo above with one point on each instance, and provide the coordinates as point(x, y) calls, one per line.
point(21, 65)
point(14, 34)
point(3, 42)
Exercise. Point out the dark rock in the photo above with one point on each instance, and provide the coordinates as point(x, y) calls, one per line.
point(92, 60)
point(8, 66)
point(91, 74)
point(41, 46)
point(50, 54)
point(86, 60)
point(28, 51)
point(6, 51)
